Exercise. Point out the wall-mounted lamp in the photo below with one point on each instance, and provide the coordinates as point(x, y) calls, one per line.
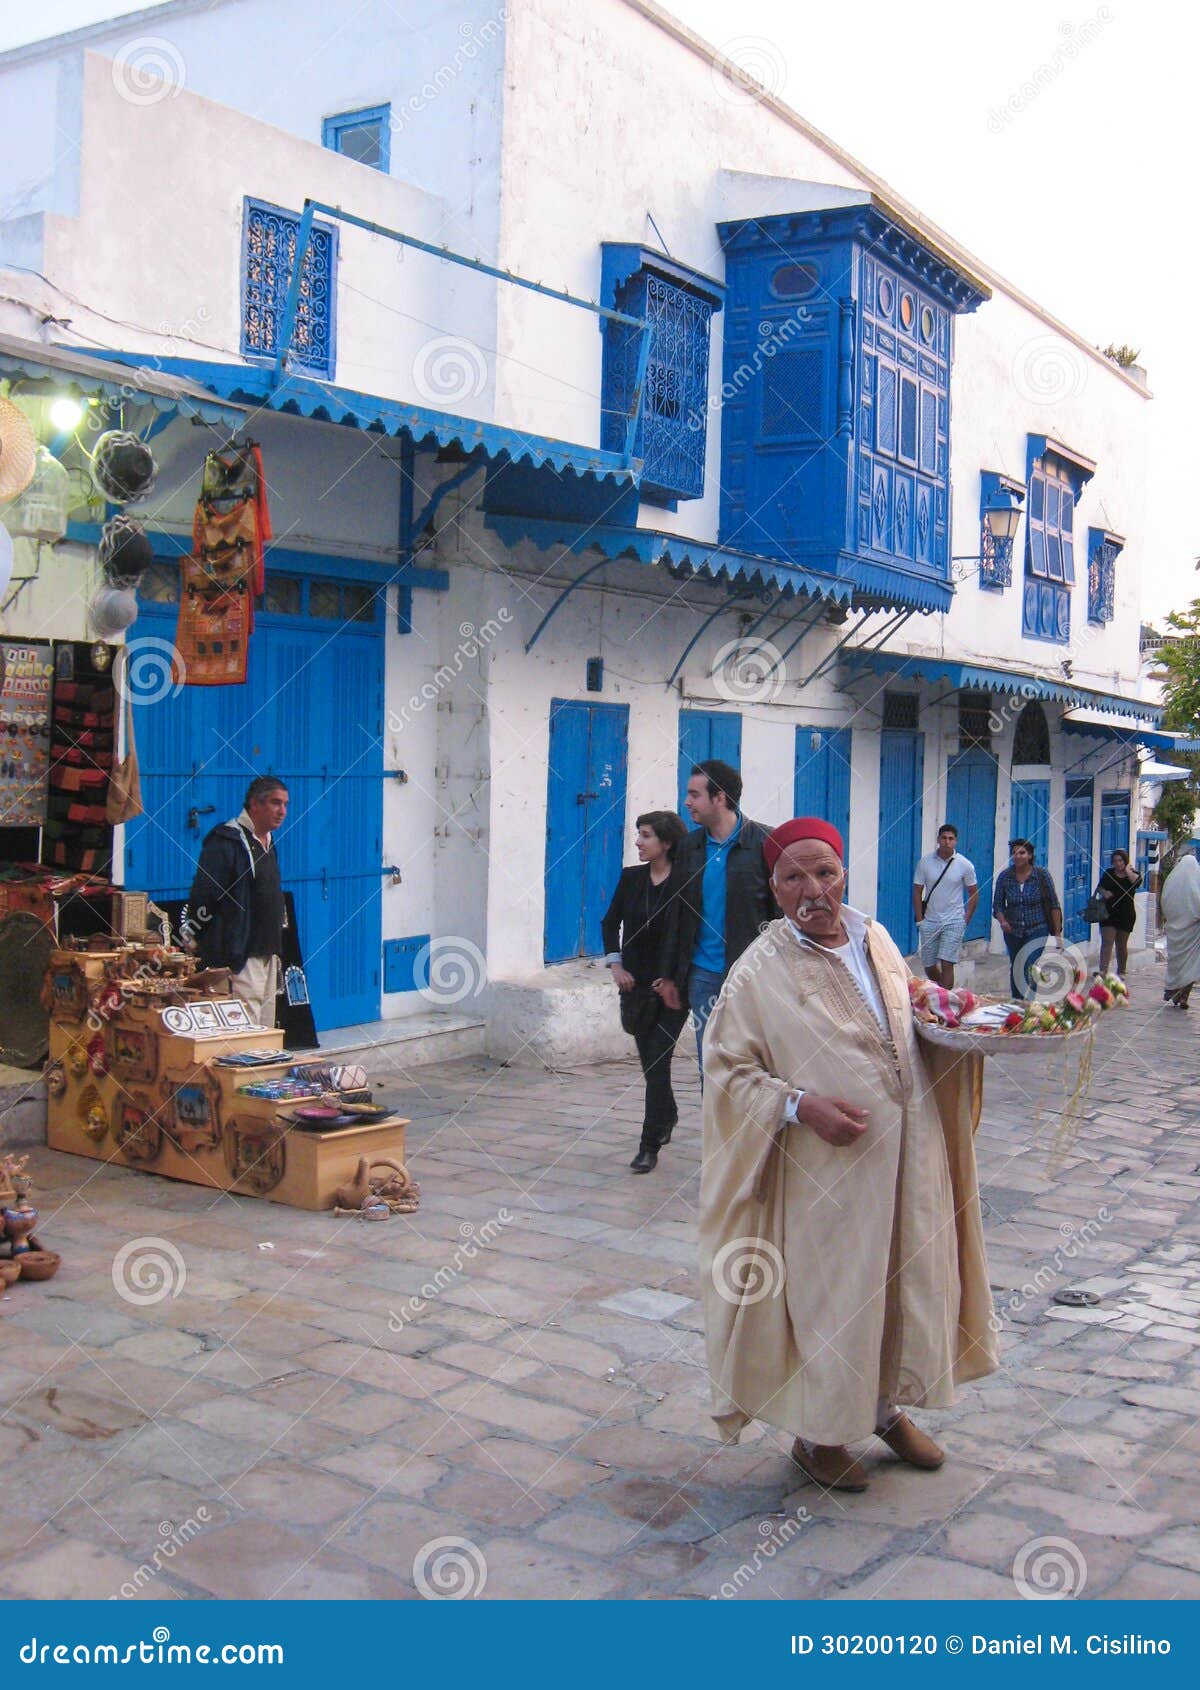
point(66, 415)
point(1001, 506)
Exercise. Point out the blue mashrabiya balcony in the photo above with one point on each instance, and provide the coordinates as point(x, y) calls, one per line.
point(835, 445)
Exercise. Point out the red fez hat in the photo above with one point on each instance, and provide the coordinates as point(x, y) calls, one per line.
point(803, 827)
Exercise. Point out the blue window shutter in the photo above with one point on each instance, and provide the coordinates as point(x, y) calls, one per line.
point(885, 419)
point(363, 135)
point(908, 420)
point(794, 394)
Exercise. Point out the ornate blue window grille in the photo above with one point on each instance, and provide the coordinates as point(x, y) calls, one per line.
point(1049, 553)
point(268, 256)
point(672, 430)
point(1103, 551)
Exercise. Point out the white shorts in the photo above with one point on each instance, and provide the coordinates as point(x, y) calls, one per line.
point(942, 941)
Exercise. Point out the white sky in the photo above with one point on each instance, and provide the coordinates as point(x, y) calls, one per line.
point(1084, 197)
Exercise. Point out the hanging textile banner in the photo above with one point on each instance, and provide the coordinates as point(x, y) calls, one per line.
point(28, 672)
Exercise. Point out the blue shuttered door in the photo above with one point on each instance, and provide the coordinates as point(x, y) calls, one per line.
point(311, 711)
point(1077, 861)
point(1114, 824)
point(704, 734)
point(901, 767)
point(1031, 815)
point(971, 807)
point(822, 785)
point(585, 823)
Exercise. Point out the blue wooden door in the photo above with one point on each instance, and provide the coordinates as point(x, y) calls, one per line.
point(971, 808)
point(310, 711)
point(822, 783)
point(585, 823)
point(901, 768)
point(1114, 825)
point(1031, 815)
point(704, 734)
point(1077, 859)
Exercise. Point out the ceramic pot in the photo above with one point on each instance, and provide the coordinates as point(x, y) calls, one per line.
point(40, 1264)
point(10, 1272)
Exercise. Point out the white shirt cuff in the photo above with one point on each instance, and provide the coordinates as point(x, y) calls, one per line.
point(613, 958)
point(792, 1105)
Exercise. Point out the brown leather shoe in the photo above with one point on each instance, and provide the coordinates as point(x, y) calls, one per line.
point(829, 1465)
point(911, 1444)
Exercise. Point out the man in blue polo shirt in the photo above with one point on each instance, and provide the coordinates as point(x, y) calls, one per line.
point(725, 893)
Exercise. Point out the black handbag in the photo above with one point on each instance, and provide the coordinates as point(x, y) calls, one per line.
point(1095, 911)
point(640, 1009)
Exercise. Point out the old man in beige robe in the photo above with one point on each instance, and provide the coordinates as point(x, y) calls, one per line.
point(842, 1253)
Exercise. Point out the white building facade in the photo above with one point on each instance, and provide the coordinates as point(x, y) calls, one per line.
point(730, 479)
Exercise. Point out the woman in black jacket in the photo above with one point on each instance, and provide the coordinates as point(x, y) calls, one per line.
point(1117, 886)
point(639, 922)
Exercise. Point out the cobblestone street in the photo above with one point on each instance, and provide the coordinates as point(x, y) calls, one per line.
point(519, 1365)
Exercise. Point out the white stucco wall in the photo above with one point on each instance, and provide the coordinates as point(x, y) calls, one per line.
point(290, 64)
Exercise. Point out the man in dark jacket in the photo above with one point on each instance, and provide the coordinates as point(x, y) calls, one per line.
point(725, 892)
point(234, 916)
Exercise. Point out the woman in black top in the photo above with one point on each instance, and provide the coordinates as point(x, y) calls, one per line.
point(1117, 885)
point(641, 914)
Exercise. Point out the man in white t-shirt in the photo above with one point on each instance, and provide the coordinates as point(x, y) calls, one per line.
point(941, 879)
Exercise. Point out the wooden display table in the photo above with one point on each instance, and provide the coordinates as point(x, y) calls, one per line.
point(135, 1092)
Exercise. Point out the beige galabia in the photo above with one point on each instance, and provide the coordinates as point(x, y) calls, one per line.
point(863, 1267)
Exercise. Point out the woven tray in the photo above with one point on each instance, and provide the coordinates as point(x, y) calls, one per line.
point(996, 1044)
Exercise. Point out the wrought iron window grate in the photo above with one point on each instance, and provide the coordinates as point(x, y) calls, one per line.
point(269, 255)
point(1102, 560)
point(995, 568)
point(672, 432)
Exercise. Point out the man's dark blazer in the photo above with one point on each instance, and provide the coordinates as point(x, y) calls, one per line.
point(749, 902)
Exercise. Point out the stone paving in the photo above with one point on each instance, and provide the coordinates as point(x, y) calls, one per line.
point(307, 1405)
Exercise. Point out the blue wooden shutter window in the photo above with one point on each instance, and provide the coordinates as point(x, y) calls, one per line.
point(1049, 554)
point(364, 136)
point(268, 255)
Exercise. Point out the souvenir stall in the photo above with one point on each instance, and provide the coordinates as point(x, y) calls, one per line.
point(157, 1066)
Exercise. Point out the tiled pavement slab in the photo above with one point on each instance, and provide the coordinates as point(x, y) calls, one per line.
point(310, 1406)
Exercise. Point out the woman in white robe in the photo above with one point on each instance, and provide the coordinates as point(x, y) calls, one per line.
point(1180, 906)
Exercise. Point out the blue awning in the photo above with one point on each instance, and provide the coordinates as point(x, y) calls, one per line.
point(73, 372)
point(301, 396)
point(703, 558)
point(1114, 733)
point(977, 679)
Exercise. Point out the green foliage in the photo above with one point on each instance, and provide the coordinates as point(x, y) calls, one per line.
point(1180, 657)
point(1122, 355)
point(1176, 810)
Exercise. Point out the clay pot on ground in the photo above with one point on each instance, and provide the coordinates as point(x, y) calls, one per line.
point(39, 1264)
point(10, 1272)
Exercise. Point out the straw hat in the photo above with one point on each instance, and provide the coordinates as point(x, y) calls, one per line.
point(18, 451)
